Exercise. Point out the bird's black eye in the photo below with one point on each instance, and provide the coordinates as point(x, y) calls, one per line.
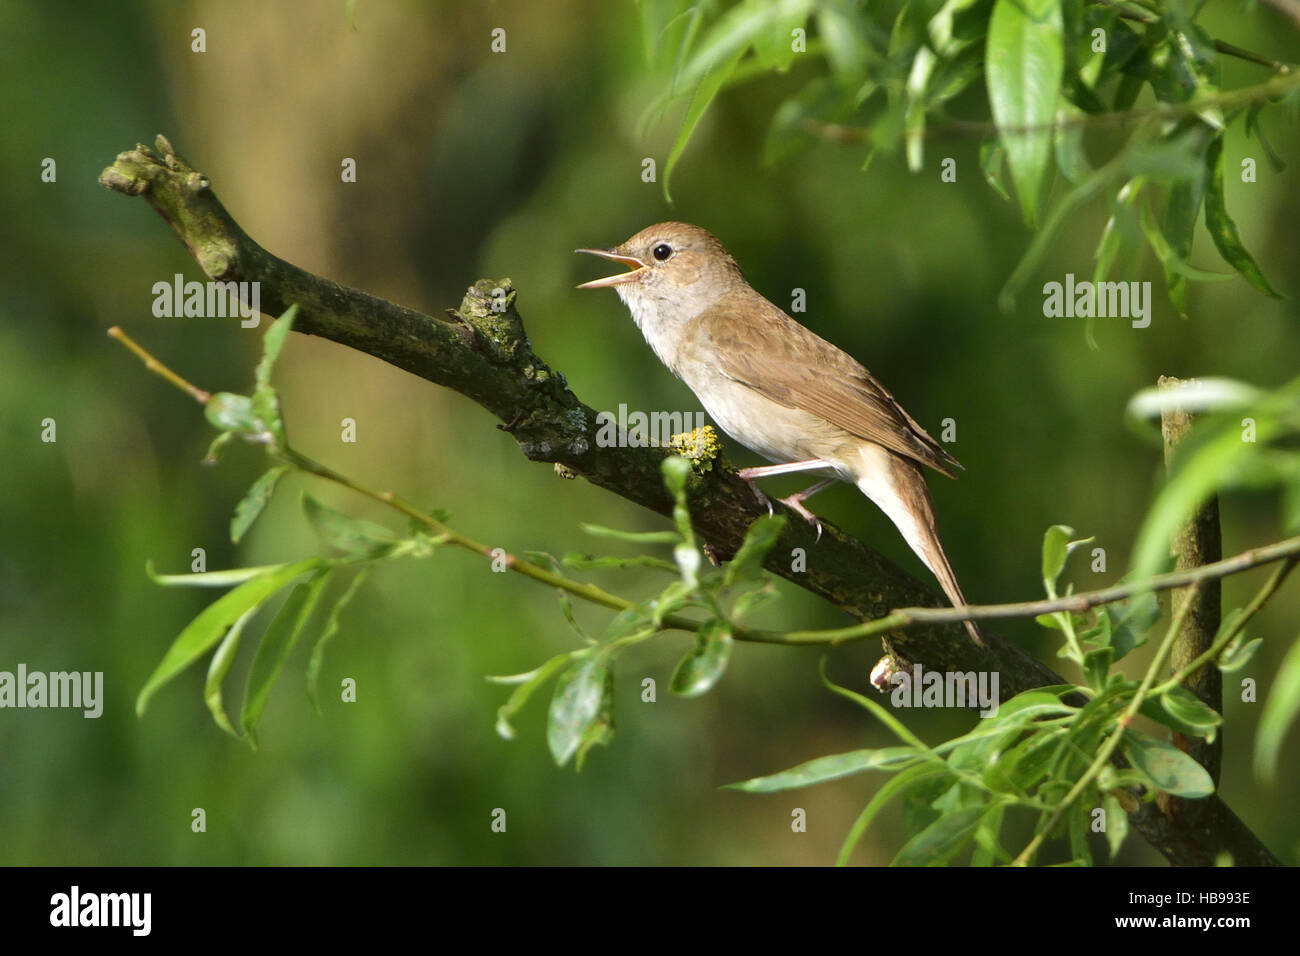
point(663, 251)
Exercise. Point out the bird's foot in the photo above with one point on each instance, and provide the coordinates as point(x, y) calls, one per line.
point(795, 504)
point(748, 476)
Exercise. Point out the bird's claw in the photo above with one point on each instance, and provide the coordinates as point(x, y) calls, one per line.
point(795, 504)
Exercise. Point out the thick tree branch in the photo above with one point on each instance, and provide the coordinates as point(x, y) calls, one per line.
point(483, 352)
point(1197, 543)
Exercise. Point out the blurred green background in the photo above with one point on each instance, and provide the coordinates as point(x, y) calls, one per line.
point(473, 164)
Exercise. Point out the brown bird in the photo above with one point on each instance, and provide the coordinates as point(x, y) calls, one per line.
point(777, 388)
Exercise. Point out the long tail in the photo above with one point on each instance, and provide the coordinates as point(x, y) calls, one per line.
point(897, 486)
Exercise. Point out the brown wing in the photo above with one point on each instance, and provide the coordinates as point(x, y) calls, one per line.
point(833, 385)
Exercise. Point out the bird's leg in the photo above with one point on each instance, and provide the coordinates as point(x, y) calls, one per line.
point(750, 476)
point(795, 503)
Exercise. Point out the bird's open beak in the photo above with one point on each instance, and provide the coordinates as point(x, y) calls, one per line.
point(632, 262)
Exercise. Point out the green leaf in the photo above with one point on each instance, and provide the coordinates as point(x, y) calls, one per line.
point(1057, 548)
point(274, 650)
point(317, 659)
point(1096, 664)
point(208, 579)
point(1224, 231)
point(1236, 656)
point(1119, 237)
point(988, 851)
point(231, 413)
point(917, 104)
point(787, 134)
point(992, 159)
point(219, 667)
point(272, 343)
point(1279, 711)
point(1168, 767)
point(710, 85)
point(704, 664)
point(1077, 828)
point(577, 705)
point(213, 621)
point(1023, 65)
point(912, 776)
point(747, 564)
point(1192, 714)
point(773, 40)
point(266, 403)
point(351, 535)
point(586, 562)
point(601, 731)
point(1131, 620)
point(1116, 824)
point(1178, 229)
point(832, 767)
point(1204, 464)
point(255, 501)
point(843, 32)
point(566, 606)
point(635, 537)
point(943, 839)
point(1071, 157)
point(749, 601)
point(528, 683)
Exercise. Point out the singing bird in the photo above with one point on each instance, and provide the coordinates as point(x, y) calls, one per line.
point(777, 388)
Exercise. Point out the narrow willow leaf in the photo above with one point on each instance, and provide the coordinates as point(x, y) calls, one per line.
point(1178, 228)
point(576, 705)
point(1204, 465)
point(274, 650)
point(213, 621)
point(351, 535)
point(912, 776)
point(317, 659)
point(1057, 548)
point(917, 104)
point(710, 85)
point(1193, 714)
point(635, 537)
point(601, 730)
point(1131, 620)
point(1224, 231)
point(272, 343)
point(547, 560)
point(703, 665)
point(1116, 824)
point(992, 160)
point(1234, 658)
point(209, 579)
point(1120, 234)
point(747, 563)
point(1280, 710)
point(827, 768)
point(1077, 828)
point(1168, 767)
point(1024, 61)
point(253, 503)
point(528, 683)
point(1071, 157)
point(988, 851)
point(1096, 664)
point(217, 670)
point(941, 840)
point(586, 562)
point(772, 47)
point(844, 32)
